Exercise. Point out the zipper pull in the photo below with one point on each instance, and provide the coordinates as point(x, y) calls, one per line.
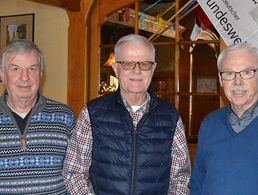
point(23, 143)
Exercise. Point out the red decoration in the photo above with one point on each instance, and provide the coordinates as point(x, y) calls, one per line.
point(127, 14)
point(202, 19)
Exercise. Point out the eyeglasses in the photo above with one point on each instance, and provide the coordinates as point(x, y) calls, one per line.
point(245, 74)
point(130, 65)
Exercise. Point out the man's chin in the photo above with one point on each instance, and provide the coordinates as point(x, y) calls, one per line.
point(137, 91)
point(25, 95)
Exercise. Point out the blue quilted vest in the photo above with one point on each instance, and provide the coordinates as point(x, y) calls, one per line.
point(125, 161)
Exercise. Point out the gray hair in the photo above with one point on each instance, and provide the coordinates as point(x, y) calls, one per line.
point(21, 46)
point(133, 38)
point(230, 48)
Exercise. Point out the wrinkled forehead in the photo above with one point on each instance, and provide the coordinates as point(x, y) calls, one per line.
point(11, 55)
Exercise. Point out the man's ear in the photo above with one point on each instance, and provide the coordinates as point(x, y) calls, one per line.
point(220, 80)
point(2, 76)
point(115, 68)
point(154, 66)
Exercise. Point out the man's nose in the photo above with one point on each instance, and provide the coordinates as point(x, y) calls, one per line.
point(238, 79)
point(24, 74)
point(137, 68)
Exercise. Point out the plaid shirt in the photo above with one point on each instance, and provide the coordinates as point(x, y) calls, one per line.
point(78, 158)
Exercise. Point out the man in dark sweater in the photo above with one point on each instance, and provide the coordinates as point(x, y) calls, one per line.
point(226, 159)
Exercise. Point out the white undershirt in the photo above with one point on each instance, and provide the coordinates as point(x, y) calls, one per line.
point(21, 114)
point(135, 108)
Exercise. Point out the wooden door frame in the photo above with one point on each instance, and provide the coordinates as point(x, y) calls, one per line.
point(84, 49)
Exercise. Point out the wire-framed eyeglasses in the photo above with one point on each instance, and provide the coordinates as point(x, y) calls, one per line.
point(244, 74)
point(130, 65)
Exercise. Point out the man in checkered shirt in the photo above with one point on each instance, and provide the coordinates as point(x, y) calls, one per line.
point(129, 141)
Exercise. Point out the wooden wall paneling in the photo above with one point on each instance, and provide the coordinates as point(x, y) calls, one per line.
point(190, 113)
point(177, 53)
point(136, 22)
point(71, 5)
point(77, 84)
point(204, 66)
point(94, 50)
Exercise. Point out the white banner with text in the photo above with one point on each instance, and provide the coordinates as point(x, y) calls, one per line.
point(235, 20)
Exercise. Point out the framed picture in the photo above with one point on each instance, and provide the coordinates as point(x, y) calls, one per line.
point(16, 27)
point(207, 85)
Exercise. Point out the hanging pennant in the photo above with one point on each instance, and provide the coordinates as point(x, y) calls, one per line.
point(141, 20)
point(166, 10)
point(142, 13)
point(152, 5)
point(126, 12)
point(202, 18)
point(160, 22)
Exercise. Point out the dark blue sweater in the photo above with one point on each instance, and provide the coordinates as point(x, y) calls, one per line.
point(226, 163)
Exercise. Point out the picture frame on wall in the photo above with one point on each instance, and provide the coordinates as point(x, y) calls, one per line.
point(14, 27)
point(207, 85)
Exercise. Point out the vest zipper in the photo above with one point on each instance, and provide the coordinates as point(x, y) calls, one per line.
point(133, 162)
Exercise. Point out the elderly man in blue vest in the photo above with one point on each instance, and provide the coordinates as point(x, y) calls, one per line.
point(129, 141)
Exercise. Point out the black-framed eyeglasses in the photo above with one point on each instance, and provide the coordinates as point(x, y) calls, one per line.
point(130, 65)
point(245, 74)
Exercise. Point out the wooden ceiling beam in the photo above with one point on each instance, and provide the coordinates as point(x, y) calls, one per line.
point(71, 5)
point(107, 7)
